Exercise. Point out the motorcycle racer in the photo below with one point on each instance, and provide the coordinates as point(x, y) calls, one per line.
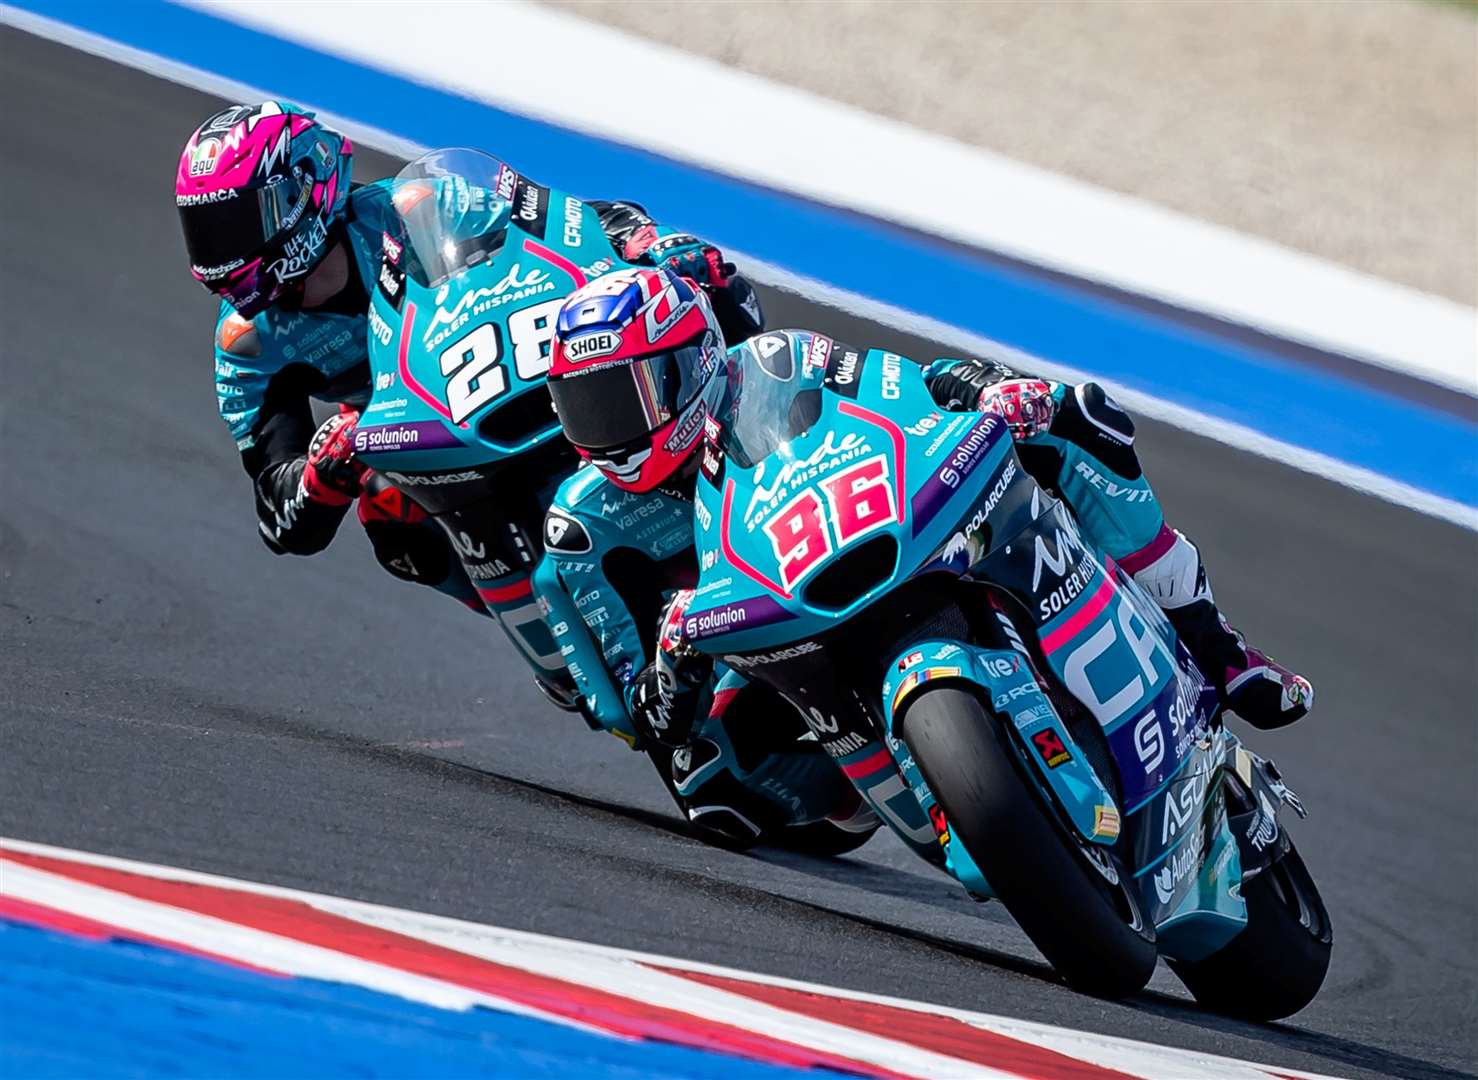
point(274, 226)
point(634, 403)
point(635, 375)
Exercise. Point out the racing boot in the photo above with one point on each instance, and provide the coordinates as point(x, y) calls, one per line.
point(1253, 685)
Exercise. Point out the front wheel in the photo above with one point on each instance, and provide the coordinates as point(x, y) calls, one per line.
point(1275, 966)
point(1084, 917)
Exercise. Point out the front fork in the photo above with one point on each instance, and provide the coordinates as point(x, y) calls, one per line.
point(1004, 678)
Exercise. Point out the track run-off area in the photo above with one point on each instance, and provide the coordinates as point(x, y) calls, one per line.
point(172, 693)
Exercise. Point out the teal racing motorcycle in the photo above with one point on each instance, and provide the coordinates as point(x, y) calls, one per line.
point(460, 324)
point(1006, 698)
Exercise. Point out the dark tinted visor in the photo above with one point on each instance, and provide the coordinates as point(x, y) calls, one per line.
point(615, 405)
point(225, 228)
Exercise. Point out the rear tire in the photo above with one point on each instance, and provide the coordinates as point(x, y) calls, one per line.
point(1274, 967)
point(1092, 931)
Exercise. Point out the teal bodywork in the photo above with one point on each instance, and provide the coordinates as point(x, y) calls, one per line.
point(837, 488)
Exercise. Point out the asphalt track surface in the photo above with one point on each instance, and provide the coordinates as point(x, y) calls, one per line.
point(170, 691)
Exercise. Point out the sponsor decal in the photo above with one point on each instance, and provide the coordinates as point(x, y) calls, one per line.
point(423, 435)
point(380, 330)
point(714, 586)
point(1106, 822)
point(1183, 805)
point(506, 182)
point(1178, 867)
point(688, 428)
point(846, 374)
point(392, 284)
point(892, 373)
point(702, 513)
point(711, 462)
point(944, 652)
point(1049, 745)
point(1264, 828)
point(531, 207)
point(514, 286)
point(204, 198)
point(1114, 490)
point(911, 659)
point(574, 220)
point(431, 480)
point(600, 343)
point(299, 253)
point(797, 472)
point(959, 543)
point(818, 354)
point(745, 663)
point(741, 614)
point(957, 466)
point(221, 270)
point(565, 535)
point(391, 248)
point(709, 560)
point(924, 426)
point(384, 381)
point(1002, 667)
point(207, 154)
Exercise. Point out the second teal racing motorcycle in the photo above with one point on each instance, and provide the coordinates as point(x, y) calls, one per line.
point(461, 321)
point(1003, 695)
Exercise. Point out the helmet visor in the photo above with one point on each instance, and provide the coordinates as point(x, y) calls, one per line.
point(223, 229)
point(616, 404)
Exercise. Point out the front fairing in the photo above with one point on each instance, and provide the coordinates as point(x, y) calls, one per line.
point(849, 482)
point(462, 315)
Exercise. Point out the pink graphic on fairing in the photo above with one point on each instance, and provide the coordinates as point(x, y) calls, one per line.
point(407, 323)
point(222, 160)
point(576, 274)
point(894, 433)
point(733, 556)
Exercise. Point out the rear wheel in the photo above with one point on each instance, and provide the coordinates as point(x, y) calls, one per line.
point(1073, 903)
point(1275, 966)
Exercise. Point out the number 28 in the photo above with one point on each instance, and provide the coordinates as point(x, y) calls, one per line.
point(473, 364)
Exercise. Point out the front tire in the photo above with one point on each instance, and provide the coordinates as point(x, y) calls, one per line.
point(1274, 967)
point(1091, 930)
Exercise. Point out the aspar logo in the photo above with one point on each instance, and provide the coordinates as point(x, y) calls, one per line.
point(892, 372)
point(744, 663)
point(600, 343)
point(408, 480)
point(574, 219)
point(475, 301)
point(1177, 868)
point(380, 328)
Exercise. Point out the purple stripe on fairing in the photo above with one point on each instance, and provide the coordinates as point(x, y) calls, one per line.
point(969, 452)
point(421, 435)
point(741, 615)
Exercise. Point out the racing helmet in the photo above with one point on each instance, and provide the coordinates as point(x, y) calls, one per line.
point(635, 370)
point(258, 189)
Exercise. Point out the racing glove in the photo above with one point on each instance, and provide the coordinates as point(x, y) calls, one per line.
point(689, 257)
point(667, 694)
point(1025, 404)
point(333, 476)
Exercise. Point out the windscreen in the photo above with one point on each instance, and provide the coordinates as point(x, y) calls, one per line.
point(771, 403)
point(453, 208)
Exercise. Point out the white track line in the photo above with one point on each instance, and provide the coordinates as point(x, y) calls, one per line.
point(1234, 435)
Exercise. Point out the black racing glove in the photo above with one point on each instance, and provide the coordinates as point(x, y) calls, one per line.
point(668, 693)
point(959, 384)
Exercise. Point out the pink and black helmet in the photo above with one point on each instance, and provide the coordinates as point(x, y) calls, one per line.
point(636, 368)
point(258, 189)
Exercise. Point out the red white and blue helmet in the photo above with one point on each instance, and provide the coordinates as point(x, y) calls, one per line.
point(258, 189)
point(635, 370)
